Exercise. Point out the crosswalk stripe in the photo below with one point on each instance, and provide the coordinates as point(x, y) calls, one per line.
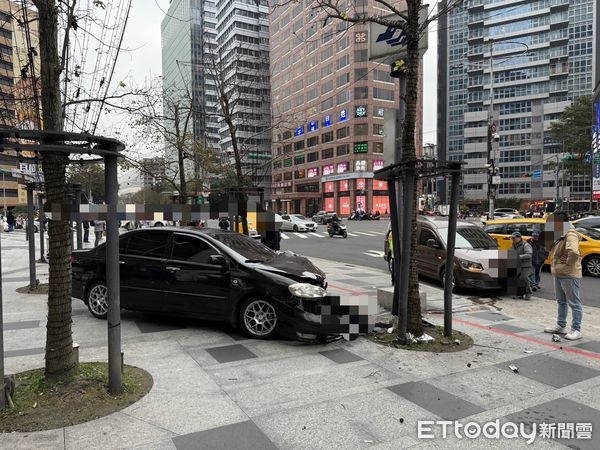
point(353, 235)
point(284, 236)
point(301, 236)
point(365, 234)
point(315, 234)
point(380, 233)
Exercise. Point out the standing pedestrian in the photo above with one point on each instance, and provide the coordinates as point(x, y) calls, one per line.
point(99, 227)
point(566, 268)
point(10, 219)
point(524, 251)
point(86, 231)
point(538, 257)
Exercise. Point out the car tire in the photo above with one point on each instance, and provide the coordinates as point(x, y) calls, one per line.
point(159, 224)
point(443, 280)
point(390, 262)
point(296, 228)
point(35, 229)
point(253, 311)
point(591, 265)
point(128, 226)
point(96, 299)
point(345, 234)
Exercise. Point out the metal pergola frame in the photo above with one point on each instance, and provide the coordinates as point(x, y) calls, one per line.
point(406, 173)
point(107, 151)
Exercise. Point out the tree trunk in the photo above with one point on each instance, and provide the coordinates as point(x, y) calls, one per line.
point(59, 340)
point(414, 324)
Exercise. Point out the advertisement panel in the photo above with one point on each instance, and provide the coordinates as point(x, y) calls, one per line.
point(596, 147)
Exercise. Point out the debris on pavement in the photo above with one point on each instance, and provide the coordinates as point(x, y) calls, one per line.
point(424, 338)
point(555, 338)
point(514, 368)
point(527, 351)
point(390, 330)
point(468, 364)
point(456, 341)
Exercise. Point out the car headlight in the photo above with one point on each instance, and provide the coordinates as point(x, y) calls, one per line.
point(306, 290)
point(470, 266)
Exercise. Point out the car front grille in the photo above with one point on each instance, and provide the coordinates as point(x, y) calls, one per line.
point(314, 306)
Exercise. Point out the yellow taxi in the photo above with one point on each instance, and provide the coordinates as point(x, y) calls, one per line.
point(589, 244)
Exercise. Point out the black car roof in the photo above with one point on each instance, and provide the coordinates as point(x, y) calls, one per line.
point(207, 231)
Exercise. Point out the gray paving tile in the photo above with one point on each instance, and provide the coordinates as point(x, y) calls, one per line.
point(155, 327)
point(488, 315)
point(341, 356)
point(562, 410)
point(551, 371)
point(437, 401)
point(230, 353)
point(21, 325)
point(364, 275)
point(509, 327)
point(350, 281)
point(591, 346)
point(239, 436)
point(25, 352)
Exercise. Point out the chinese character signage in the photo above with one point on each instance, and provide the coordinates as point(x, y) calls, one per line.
point(328, 169)
point(361, 183)
point(299, 131)
point(343, 115)
point(313, 125)
point(360, 111)
point(344, 185)
point(312, 172)
point(361, 147)
point(327, 121)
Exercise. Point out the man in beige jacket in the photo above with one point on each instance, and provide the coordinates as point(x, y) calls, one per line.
point(566, 268)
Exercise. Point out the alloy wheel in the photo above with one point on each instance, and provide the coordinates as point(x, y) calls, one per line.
point(592, 265)
point(260, 318)
point(97, 301)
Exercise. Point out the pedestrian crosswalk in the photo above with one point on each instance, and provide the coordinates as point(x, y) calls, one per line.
point(319, 235)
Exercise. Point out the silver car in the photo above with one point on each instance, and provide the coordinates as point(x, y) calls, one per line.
point(297, 222)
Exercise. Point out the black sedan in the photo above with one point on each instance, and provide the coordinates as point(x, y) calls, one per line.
point(208, 274)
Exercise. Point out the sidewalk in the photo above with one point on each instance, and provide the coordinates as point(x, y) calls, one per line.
point(215, 389)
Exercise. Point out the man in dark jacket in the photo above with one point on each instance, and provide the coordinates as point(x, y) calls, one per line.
point(537, 260)
point(523, 252)
point(10, 219)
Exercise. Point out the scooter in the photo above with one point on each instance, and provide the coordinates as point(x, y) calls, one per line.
point(336, 229)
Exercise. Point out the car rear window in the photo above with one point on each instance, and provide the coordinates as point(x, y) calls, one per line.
point(526, 229)
point(150, 244)
point(496, 229)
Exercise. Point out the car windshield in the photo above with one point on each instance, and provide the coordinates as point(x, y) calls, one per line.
point(246, 246)
point(299, 217)
point(588, 231)
point(469, 237)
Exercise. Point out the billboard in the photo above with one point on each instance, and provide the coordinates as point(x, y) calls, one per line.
point(596, 147)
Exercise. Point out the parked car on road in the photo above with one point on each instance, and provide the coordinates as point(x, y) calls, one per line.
point(589, 244)
point(500, 215)
point(323, 216)
point(474, 254)
point(297, 222)
point(133, 224)
point(208, 274)
point(590, 221)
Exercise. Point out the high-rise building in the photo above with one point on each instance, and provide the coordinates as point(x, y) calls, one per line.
point(188, 41)
point(329, 103)
point(243, 57)
point(535, 57)
point(596, 103)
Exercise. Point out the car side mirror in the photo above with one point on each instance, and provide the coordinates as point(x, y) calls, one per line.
point(431, 243)
point(218, 260)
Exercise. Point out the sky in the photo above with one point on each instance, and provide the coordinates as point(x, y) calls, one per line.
point(136, 67)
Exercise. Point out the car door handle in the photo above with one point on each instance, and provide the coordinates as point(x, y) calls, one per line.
point(121, 262)
point(172, 269)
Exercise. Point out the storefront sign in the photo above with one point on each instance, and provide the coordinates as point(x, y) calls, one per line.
point(346, 176)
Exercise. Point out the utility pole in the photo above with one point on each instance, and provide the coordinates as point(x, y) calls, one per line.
point(557, 182)
point(490, 139)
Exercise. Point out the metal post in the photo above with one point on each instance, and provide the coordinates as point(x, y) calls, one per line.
point(450, 242)
point(78, 227)
point(395, 243)
point(42, 217)
point(557, 202)
point(2, 385)
point(491, 187)
point(31, 236)
point(409, 200)
point(112, 276)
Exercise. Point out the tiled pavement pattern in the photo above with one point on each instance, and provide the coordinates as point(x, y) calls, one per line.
point(215, 389)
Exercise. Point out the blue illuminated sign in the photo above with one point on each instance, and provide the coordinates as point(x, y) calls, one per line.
point(313, 125)
point(343, 115)
point(327, 121)
point(299, 131)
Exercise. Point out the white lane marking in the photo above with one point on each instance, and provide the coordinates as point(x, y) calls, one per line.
point(300, 235)
point(378, 232)
point(374, 253)
point(284, 236)
point(315, 234)
point(353, 235)
point(365, 234)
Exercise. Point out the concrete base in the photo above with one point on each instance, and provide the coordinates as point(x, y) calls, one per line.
point(385, 298)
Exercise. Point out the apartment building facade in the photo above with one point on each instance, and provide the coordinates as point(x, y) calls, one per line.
point(329, 104)
point(536, 57)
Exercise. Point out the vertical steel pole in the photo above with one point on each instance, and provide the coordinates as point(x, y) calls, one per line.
point(42, 217)
point(395, 243)
point(31, 236)
point(112, 276)
point(491, 186)
point(2, 386)
point(450, 242)
point(409, 204)
point(78, 226)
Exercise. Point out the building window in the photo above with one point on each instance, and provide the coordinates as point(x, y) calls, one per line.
point(378, 164)
point(287, 176)
point(361, 129)
point(312, 157)
point(343, 167)
point(382, 75)
point(327, 137)
point(342, 133)
point(361, 92)
point(299, 145)
point(287, 162)
point(328, 169)
point(342, 97)
point(312, 172)
point(378, 129)
point(378, 147)
point(299, 174)
point(360, 55)
point(327, 153)
point(360, 165)
point(361, 147)
point(343, 79)
point(361, 74)
point(311, 142)
point(343, 150)
point(383, 94)
point(342, 62)
point(299, 159)
point(327, 104)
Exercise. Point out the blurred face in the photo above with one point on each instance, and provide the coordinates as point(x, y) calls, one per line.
point(556, 226)
point(516, 240)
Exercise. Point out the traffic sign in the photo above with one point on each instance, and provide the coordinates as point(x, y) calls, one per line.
point(387, 41)
point(537, 173)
